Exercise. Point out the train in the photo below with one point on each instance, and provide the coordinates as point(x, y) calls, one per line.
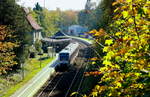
point(67, 55)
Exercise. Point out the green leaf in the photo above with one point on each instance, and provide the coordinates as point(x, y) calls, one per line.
point(117, 58)
point(109, 42)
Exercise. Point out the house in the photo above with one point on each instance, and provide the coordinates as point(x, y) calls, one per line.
point(77, 30)
point(36, 33)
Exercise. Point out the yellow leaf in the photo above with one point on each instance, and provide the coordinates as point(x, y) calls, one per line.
point(119, 84)
point(94, 59)
point(97, 87)
point(84, 95)
point(105, 49)
point(97, 34)
point(93, 62)
point(130, 20)
point(137, 74)
point(145, 10)
point(125, 14)
point(74, 93)
point(94, 94)
point(116, 9)
point(106, 62)
point(111, 53)
point(118, 33)
point(110, 94)
point(109, 42)
point(129, 1)
point(114, 3)
point(93, 31)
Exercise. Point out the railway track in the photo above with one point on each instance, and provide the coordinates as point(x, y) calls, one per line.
point(61, 83)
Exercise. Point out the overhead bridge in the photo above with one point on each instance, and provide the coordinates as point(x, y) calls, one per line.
point(58, 41)
point(32, 86)
point(58, 44)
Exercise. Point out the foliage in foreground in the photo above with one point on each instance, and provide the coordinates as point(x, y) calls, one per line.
point(7, 45)
point(126, 63)
point(12, 15)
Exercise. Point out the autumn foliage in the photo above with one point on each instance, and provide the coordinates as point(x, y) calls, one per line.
point(126, 61)
point(7, 44)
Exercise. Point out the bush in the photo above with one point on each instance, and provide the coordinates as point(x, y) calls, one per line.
point(15, 78)
point(38, 46)
point(32, 55)
point(32, 51)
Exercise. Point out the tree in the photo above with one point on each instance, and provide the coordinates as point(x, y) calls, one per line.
point(14, 16)
point(7, 45)
point(69, 17)
point(38, 7)
point(125, 63)
point(96, 18)
point(46, 19)
point(104, 14)
point(38, 46)
point(54, 21)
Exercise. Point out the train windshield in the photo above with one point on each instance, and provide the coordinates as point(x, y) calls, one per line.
point(64, 56)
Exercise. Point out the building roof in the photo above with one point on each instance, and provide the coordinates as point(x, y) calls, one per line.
point(31, 20)
point(26, 10)
point(59, 33)
point(75, 26)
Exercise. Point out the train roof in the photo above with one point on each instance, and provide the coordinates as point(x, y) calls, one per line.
point(70, 48)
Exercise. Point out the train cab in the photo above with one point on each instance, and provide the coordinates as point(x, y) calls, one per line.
point(64, 58)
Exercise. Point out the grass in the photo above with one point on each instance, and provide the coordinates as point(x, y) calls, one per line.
point(86, 39)
point(31, 69)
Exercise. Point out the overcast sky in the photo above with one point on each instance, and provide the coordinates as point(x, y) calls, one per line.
point(53, 4)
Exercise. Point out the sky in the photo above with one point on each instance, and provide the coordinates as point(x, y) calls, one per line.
point(53, 4)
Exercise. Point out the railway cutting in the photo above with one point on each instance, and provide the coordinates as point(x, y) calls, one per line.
point(60, 84)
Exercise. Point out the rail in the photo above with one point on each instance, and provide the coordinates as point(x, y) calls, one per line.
point(29, 89)
point(62, 83)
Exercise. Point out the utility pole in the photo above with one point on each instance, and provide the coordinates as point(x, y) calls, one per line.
point(40, 60)
point(22, 62)
point(22, 66)
point(44, 3)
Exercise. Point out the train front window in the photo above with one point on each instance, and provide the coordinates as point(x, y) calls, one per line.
point(64, 57)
